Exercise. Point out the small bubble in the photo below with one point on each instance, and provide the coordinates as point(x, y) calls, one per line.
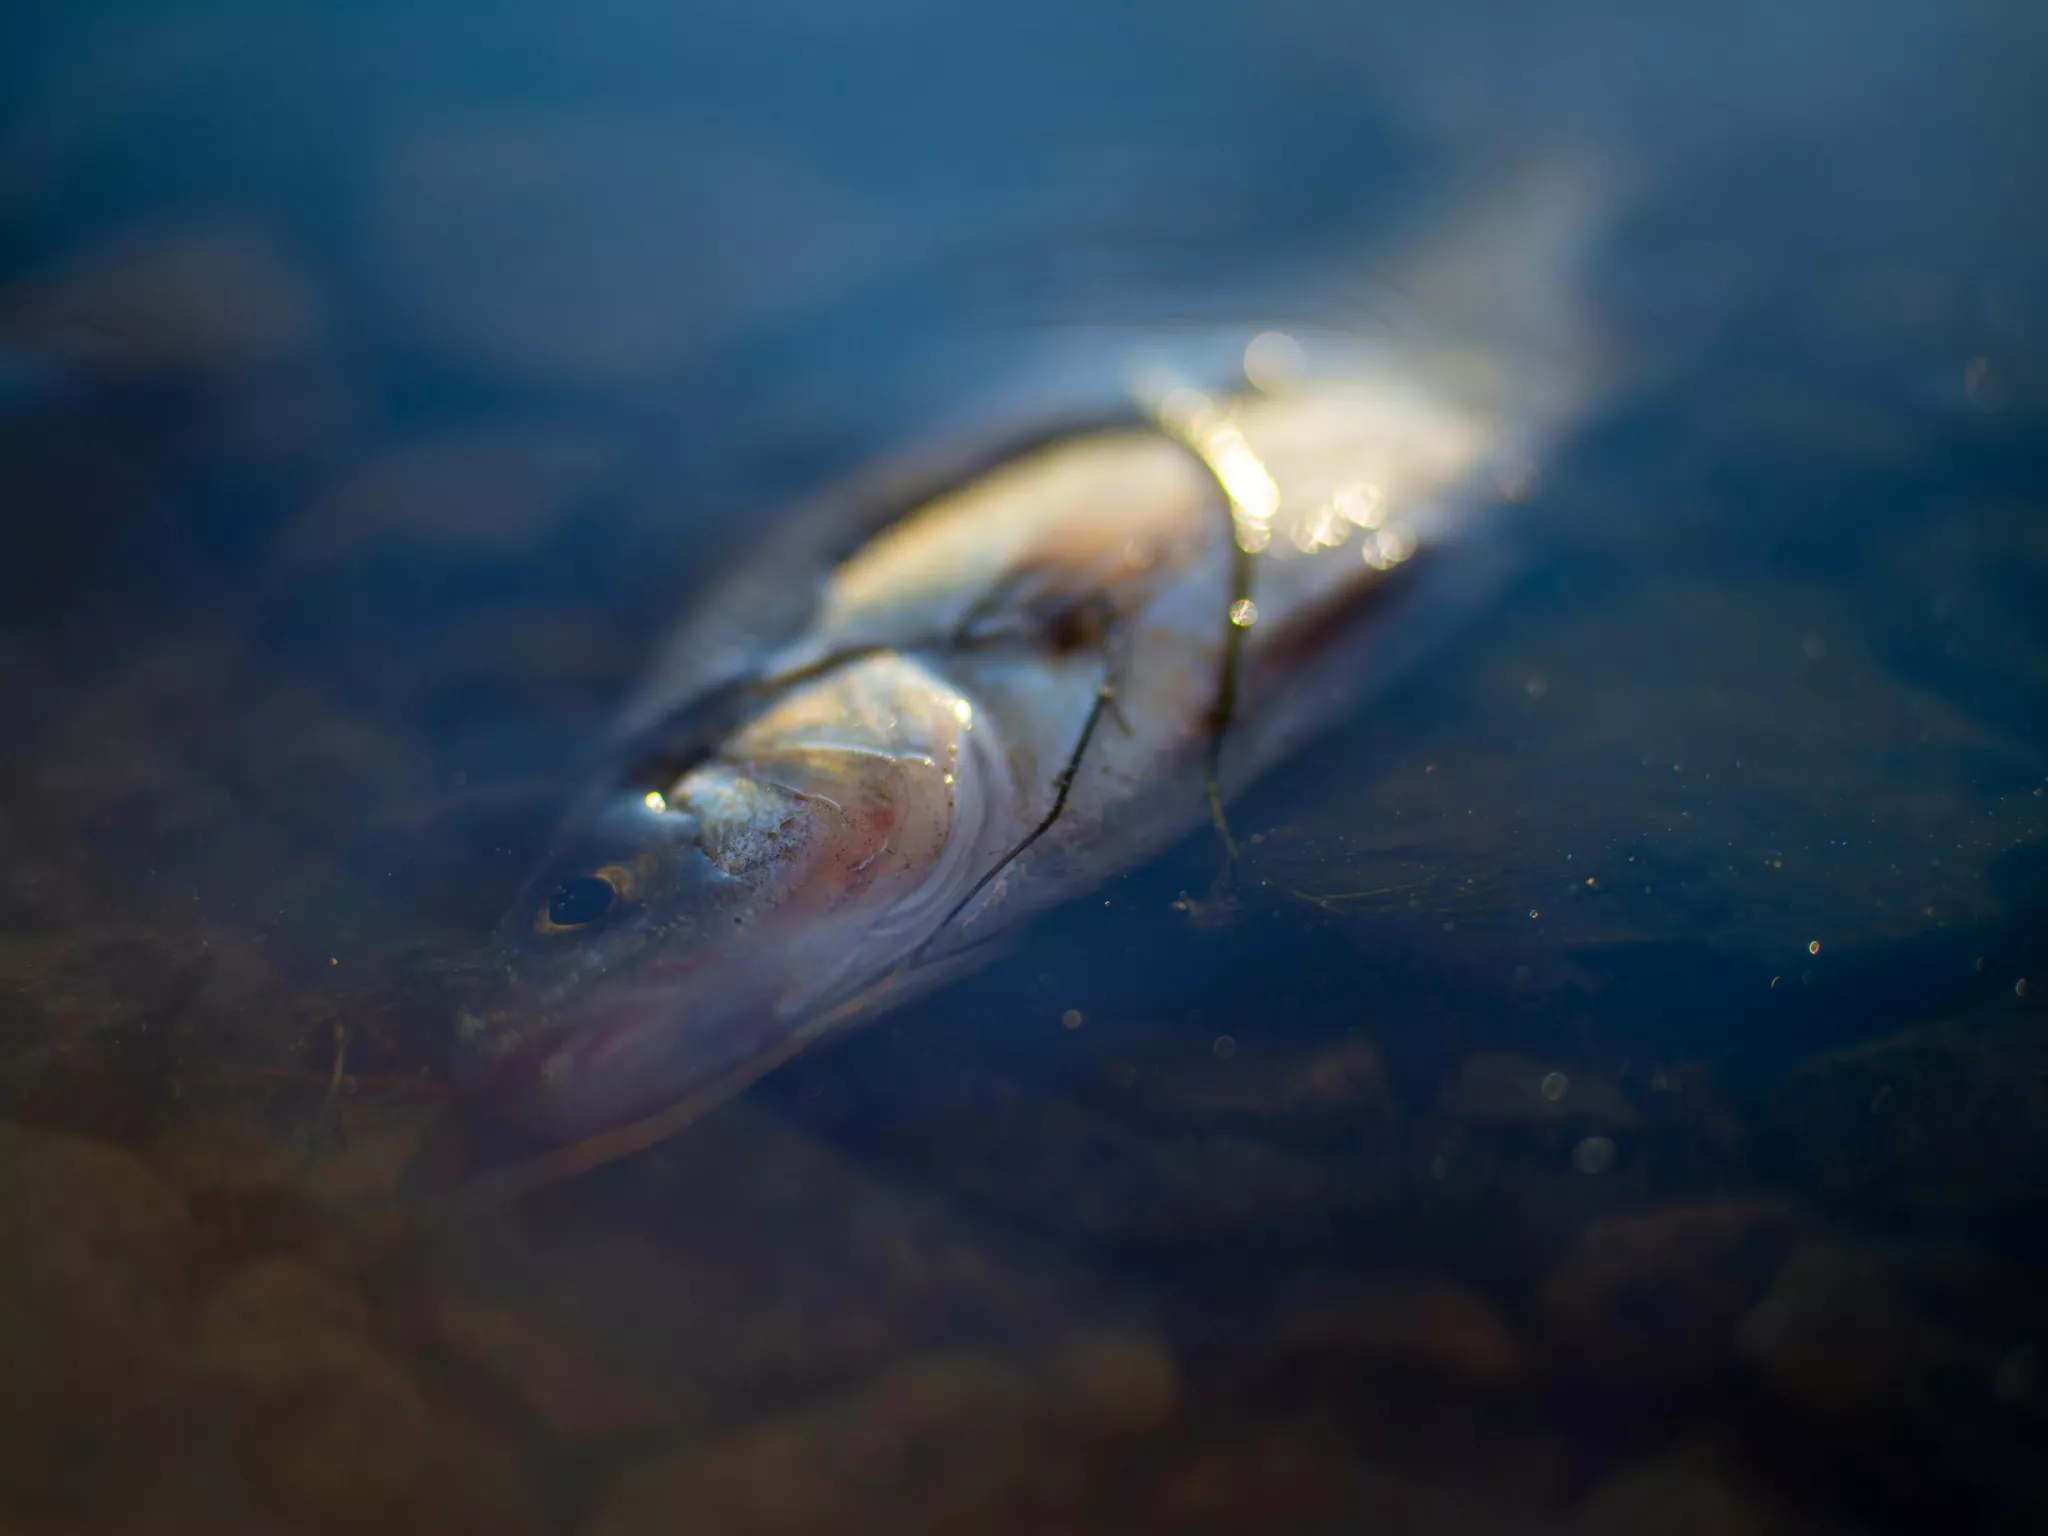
point(2019, 988)
point(1273, 361)
point(1390, 546)
point(1071, 1019)
point(1361, 503)
point(1534, 913)
point(1593, 1155)
point(1225, 1047)
point(1813, 946)
point(1244, 613)
point(1554, 1085)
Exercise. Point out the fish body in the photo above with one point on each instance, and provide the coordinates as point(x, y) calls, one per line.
point(914, 726)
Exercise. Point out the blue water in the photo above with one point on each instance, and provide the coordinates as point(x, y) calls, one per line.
point(1654, 1131)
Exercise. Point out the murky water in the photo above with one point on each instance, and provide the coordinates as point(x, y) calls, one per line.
point(1653, 1136)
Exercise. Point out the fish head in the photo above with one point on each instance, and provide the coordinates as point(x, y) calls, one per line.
point(680, 934)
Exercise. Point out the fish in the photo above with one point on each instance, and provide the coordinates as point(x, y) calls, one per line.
point(926, 715)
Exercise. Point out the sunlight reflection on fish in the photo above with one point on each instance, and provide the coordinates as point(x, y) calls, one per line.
point(857, 769)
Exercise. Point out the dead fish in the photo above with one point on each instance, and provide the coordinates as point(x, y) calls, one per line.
point(920, 721)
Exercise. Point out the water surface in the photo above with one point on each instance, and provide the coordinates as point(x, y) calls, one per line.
point(1653, 1135)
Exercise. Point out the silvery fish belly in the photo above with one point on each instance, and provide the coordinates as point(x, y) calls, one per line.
point(913, 725)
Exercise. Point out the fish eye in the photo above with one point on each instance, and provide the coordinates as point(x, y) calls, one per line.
point(579, 902)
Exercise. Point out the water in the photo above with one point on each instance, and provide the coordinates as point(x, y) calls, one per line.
point(1656, 1134)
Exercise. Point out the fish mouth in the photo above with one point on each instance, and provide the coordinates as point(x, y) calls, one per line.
point(601, 1063)
point(557, 1080)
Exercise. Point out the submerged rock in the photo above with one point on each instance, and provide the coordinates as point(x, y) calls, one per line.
point(1833, 1332)
point(1690, 1492)
point(166, 1365)
point(954, 1442)
point(1651, 1300)
point(1433, 1327)
point(1947, 1124)
point(1499, 1089)
point(1934, 1351)
point(98, 1271)
point(218, 293)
